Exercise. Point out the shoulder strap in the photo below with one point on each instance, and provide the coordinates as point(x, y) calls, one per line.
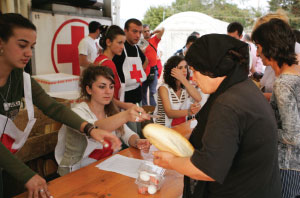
point(137, 50)
point(153, 47)
point(102, 61)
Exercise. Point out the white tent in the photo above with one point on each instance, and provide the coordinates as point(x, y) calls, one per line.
point(179, 26)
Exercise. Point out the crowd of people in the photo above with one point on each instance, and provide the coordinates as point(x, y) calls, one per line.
point(247, 137)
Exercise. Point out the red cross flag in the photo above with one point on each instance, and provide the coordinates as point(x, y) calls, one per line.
point(58, 37)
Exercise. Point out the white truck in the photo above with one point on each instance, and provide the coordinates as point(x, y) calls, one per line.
point(61, 24)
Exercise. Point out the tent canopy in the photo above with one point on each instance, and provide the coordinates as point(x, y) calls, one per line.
point(179, 26)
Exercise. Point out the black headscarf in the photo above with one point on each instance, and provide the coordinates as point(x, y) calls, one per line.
point(215, 55)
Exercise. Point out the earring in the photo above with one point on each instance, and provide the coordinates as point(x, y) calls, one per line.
point(1, 51)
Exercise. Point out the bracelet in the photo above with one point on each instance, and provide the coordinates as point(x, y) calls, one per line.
point(88, 128)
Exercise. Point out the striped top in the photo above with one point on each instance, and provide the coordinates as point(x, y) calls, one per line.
point(176, 104)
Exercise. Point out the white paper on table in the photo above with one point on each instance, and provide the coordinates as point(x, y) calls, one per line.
point(193, 123)
point(122, 165)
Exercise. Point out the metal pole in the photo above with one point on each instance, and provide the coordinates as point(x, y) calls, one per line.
point(116, 12)
point(24, 7)
point(10, 6)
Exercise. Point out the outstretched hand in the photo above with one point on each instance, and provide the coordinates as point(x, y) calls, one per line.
point(143, 144)
point(104, 137)
point(137, 114)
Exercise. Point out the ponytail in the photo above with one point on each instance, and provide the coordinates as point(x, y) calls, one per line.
point(109, 32)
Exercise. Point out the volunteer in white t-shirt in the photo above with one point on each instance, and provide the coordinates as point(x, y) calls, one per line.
point(88, 48)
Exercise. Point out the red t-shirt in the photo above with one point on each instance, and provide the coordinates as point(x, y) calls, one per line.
point(111, 65)
point(151, 54)
point(159, 67)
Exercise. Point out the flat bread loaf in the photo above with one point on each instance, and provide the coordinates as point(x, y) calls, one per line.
point(166, 139)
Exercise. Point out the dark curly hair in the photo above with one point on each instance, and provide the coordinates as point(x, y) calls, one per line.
point(277, 40)
point(110, 32)
point(171, 63)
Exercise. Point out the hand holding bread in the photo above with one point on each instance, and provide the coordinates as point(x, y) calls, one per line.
point(166, 139)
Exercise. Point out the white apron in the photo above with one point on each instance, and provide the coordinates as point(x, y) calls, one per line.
point(122, 92)
point(12, 137)
point(133, 71)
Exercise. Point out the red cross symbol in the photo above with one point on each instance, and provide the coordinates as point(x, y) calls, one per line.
point(136, 74)
point(68, 53)
point(8, 141)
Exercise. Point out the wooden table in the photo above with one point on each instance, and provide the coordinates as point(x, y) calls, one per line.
point(91, 182)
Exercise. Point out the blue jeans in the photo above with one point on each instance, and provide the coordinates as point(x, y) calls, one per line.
point(152, 88)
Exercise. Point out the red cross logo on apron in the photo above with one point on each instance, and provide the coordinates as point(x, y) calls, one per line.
point(136, 74)
point(8, 141)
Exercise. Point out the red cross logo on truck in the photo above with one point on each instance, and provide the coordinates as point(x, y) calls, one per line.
point(68, 53)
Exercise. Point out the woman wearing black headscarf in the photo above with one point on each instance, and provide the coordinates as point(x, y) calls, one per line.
point(235, 140)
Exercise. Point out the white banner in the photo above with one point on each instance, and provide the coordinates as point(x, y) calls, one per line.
point(58, 37)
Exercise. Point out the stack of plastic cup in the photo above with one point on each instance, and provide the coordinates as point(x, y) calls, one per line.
point(150, 178)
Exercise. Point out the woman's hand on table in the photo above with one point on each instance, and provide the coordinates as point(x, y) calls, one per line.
point(104, 137)
point(143, 145)
point(136, 114)
point(37, 187)
point(163, 159)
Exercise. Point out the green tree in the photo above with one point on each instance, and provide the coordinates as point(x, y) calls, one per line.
point(219, 9)
point(292, 8)
point(155, 15)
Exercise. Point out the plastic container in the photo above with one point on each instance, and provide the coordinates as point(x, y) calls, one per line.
point(58, 82)
point(150, 178)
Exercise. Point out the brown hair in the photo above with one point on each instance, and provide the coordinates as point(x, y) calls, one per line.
point(88, 77)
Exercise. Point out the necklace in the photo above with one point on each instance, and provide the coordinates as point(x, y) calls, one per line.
point(5, 103)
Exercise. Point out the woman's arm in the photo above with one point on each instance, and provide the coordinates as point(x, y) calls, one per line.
point(164, 95)
point(193, 92)
point(132, 139)
point(134, 114)
point(54, 109)
point(289, 115)
point(21, 172)
point(14, 166)
point(182, 165)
